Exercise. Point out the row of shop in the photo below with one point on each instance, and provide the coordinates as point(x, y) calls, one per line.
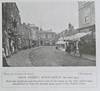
point(15, 36)
point(81, 43)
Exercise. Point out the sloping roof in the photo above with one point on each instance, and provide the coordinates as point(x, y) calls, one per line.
point(77, 36)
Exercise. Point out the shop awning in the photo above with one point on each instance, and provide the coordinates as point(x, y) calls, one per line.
point(77, 36)
point(61, 38)
point(60, 42)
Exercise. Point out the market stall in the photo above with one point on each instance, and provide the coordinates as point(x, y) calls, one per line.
point(61, 45)
point(71, 43)
point(77, 36)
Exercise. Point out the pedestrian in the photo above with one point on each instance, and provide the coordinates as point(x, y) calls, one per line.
point(80, 48)
point(12, 46)
point(5, 64)
point(74, 47)
point(69, 48)
point(5, 41)
point(15, 45)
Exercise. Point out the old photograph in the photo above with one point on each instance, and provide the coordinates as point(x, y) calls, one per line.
point(48, 34)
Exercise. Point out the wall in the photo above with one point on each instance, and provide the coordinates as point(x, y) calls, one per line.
point(86, 13)
point(47, 38)
point(86, 24)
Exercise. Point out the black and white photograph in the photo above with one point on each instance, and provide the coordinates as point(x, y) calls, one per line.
point(48, 34)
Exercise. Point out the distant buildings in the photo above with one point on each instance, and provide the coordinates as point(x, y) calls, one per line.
point(29, 36)
point(47, 38)
point(68, 32)
point(25, 36)
point(32, 36)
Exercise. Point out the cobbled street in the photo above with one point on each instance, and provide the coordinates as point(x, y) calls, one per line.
point(46, 56)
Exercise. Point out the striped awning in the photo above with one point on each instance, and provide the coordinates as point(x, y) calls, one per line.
point(77, 36)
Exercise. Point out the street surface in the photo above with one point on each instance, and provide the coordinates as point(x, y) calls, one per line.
point(46, 56)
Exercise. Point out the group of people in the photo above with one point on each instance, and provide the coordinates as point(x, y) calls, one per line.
point(70, 46)
point(9, 44)
point(4, 62)
point(74, 47)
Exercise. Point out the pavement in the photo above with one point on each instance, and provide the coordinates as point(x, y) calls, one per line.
point(84, 56)
point(46, 56)
point(89, 57)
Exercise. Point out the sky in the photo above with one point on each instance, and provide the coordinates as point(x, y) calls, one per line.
point(49, 15)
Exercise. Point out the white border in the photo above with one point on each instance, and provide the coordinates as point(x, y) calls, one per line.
point(67, 69)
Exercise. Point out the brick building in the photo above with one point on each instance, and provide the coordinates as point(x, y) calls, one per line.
point(10, 23)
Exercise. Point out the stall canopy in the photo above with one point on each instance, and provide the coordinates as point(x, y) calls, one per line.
point(60, 42)
point(77, 36)
point(61, 38)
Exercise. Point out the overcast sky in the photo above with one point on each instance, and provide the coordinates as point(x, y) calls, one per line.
point(49, 15)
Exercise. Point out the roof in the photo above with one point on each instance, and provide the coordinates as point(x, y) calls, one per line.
point(77, 36)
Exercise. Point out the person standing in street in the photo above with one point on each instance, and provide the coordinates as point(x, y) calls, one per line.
point(74, 47)
point(80, 48)
point(69, 48)
point(5, 64)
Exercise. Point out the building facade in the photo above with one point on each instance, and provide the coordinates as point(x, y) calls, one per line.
point(10, 23)
point(29, 35)
point(34, 32)
point(26, 37)
point(68, 32)
point(87, 24)
point(47, 38)
point(86, 13)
